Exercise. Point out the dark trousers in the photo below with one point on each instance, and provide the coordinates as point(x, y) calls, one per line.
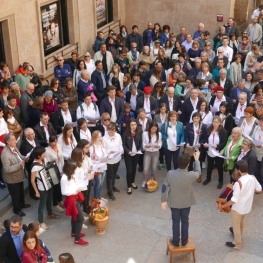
point(161, 159)
point(85, 204)
point(57, 196)
point(169, 156)
point(180, 216)
point(77, 226)
point(230, 174)
point(191, 165)
point(17, 194)
point(259, 171)
point(110, 175)
point(219, 162)
point(45, 201)
point(30, 187)
point(1, 176)
point(140, 161)
point(131, 163)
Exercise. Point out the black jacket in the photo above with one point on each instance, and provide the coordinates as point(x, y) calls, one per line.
point(57, 120)
point(251, 159)
point(140, 103)
point(128, 141)
point(222, 139)
point(128, 95)
point(212, 101)
point(8, 252)
point(227, 87)
point(41, 134)
point(225, 59)
point(229, 123)
point(189, 134)
point(176, 102)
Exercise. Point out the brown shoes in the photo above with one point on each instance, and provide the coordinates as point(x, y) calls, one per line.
point(53, 216)
point(199, 180)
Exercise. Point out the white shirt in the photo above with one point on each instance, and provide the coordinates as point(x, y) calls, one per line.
point(143, 123)
point(172, 137)
point(87, 166)
point(196, 132)
point(133, 101)
point(213, 140)
point(240, 111)
point(52, 156)
point(89, 111)
point(258, 135)
point(66, 116)
point(246, 129)
point(147, 107)
point(69, 187)
point(37, 168)
point(187, 45)
point(207, 118)
point(90, 67)
point(67, 149)
point(218, 102)
point(45, 130)
point(228, 52)
point(33, 143)
point(243, 197)
point(99, 151)
point(113, 110)
point(242, 154)
point(194, 103)
point(256, 12)
point(3, 127)
point(171, 103)
point(222, 82)
point(85, 134)
point(153, 142)
point(80, 177)
point(113, 143)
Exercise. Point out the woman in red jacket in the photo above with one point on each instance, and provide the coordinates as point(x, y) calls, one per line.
point(32, 252)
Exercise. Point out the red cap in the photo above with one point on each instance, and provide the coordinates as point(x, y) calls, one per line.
point(218, 88)
point(147, 90)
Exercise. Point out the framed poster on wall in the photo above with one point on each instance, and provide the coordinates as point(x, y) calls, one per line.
point(101, 11)
point(51, 27)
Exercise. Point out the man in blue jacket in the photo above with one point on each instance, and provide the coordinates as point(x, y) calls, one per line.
point(62, 71)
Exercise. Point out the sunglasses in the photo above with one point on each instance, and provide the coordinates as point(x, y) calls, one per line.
point(207, 45)
point(57, 83)
point(106, 120)
point(134, 47)
point(60, 59)
point(219, 52)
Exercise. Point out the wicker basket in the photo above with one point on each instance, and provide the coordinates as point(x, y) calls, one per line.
point(151, 185)
point(100, 224)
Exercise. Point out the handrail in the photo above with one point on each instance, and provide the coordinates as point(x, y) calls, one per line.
point(112, 25)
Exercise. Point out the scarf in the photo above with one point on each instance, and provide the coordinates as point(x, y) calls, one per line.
point(124, 35)
point(17, 93)
point(133, 134)
point(11, 120)
point(134, 55)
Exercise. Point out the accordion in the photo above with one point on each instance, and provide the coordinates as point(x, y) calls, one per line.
point(49, 175)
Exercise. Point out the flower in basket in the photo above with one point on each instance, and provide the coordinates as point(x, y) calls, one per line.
point(91, 90)
point(151, 185)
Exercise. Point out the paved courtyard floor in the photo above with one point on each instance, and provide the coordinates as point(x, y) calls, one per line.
point(138, 228)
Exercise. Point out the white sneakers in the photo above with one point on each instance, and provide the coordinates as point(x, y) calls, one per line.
point(44, 226)
point(84, 226)
point(203, 165)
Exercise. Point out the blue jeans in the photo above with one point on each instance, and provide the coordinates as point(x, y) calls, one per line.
point(180, 215)
point(98, 184)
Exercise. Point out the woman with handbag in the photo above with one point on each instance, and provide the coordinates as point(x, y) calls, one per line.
point(195, 135)
point(45, 195)
point(54, 154)
point(32, 251)
point(97, 152)
point(173, 136)
point(113, 145)
point(87, 166)
point(152, 142)
point(132, 145)
point(215, 141)
point(226, 117)
point(232, 150)
point(67, 141)
point(74, 198)
point(248, 122)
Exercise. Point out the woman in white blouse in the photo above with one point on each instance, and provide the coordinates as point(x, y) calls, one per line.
point(76, 74)
point(54, 154)
point(204, 73)
point(151, 142)
point(90, 64)
point(80, 177)
point(3, 131)
point(116, 77)
point(84, 132)
point(215, 141)
point(67, 141)
point(98, 152)
point(248, 122)
point(71, 188)
point(113, 144)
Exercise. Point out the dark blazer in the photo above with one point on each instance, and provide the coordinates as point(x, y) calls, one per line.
point(8, 252)
point(251, 159)
point(24, 100)
point(97, 81)
point(234, 30)
point(33, 117)
point(145, 37)
point(57, 120)
point(2, 102)
point(141, 85)
point(128, 95)
point(212, 101)
point(179, 38)
point(41, 135)
point(128, 141)
point(187, 109)
point(140, 103)
point(233, 94)
point(222, 139)
point(25, 148)
point(176, 102)
point(227, 87)
point(147, 124)
point(105, 106)
point(189, 134)
point(229, 123)
point(225, 59)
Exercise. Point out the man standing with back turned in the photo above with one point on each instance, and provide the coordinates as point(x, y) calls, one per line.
point(177, 193)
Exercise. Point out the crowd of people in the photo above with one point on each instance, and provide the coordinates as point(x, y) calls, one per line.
point(142, 98)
